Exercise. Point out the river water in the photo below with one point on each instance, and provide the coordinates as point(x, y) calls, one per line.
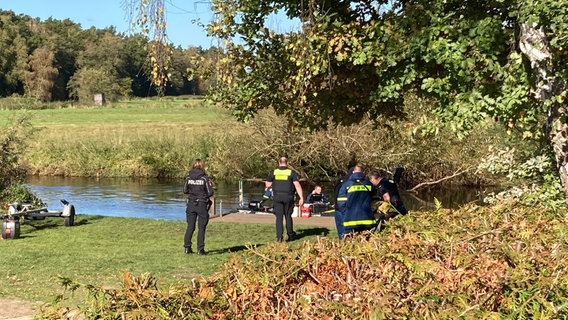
point(151, 198)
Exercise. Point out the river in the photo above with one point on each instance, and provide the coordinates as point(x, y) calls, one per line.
point(151, 198)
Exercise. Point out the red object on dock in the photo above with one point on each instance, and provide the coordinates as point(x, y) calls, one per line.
point(305, 211)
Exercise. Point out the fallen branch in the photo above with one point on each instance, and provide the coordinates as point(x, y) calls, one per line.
point(439, 181)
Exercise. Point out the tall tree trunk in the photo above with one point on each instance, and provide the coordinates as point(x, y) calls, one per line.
point(535, 46)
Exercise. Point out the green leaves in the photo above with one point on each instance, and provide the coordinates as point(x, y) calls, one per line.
point(345, 68)
point(349, 62)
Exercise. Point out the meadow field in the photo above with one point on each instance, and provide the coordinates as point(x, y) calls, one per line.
point(145, 138)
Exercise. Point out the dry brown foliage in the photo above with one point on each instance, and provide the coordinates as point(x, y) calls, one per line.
point(474, 263)
point(326, 155)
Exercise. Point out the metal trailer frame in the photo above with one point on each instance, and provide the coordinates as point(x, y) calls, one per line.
point(11, 220)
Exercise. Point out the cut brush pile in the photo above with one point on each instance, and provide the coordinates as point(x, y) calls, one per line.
point(473, 263)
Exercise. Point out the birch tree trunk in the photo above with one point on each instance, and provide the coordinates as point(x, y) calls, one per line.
point(534, 44)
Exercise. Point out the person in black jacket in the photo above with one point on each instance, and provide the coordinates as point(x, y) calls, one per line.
point(284, 182)
point(386, 190)
point(317, 196)
point(199, 189)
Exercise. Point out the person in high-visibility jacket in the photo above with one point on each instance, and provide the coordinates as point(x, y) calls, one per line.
point(284, 182)
point(340, 203)
point(356, 193)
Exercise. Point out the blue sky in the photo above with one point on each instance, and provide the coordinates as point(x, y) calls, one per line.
point(183, 16)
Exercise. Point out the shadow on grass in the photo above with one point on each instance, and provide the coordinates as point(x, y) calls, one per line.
point(52, 223)
point(33, 226)
point(309, 232)
point(43, 224)
point(233, 249)
point(86, 220)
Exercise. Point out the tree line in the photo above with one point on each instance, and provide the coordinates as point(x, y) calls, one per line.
point(57, 60)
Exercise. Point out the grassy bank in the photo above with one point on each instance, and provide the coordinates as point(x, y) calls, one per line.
point(159, 138)
point(98, 249)
point(140, 138)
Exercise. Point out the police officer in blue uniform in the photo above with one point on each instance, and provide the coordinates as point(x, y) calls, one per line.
point(199, 189)
point(284, 182)
point(356, 195)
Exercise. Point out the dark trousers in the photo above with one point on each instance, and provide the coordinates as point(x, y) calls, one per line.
point(283, 209)
point(339, 216)
point(196, 212)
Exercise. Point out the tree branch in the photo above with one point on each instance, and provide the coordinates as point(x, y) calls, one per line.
point(458, 173)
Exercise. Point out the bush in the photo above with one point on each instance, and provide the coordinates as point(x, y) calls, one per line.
point(505, 261)
point(19, 193)
point(327, 154)
point(13, 143)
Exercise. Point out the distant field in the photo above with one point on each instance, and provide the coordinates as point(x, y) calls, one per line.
point(135, 138)
point(124, 121)
point(126, 112)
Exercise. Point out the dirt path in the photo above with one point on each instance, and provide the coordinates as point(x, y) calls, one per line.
point(15, 309)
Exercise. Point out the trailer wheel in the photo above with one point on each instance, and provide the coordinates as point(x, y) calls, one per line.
point(70, 219)
point(11, 229)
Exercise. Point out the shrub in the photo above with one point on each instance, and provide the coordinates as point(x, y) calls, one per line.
point(505, 261)
point(13, 142)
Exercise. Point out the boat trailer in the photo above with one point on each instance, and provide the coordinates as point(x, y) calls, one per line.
point(11, 220)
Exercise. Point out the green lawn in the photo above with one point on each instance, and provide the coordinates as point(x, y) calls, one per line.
point(98, 249)
point(135, 111)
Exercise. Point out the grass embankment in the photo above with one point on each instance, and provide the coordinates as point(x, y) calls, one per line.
point(160, 137)
point(98, 249)
point(501, 262)
point(138, 138)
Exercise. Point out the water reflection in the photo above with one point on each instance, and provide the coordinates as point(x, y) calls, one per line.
point(150, 198)
point(142, 198)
